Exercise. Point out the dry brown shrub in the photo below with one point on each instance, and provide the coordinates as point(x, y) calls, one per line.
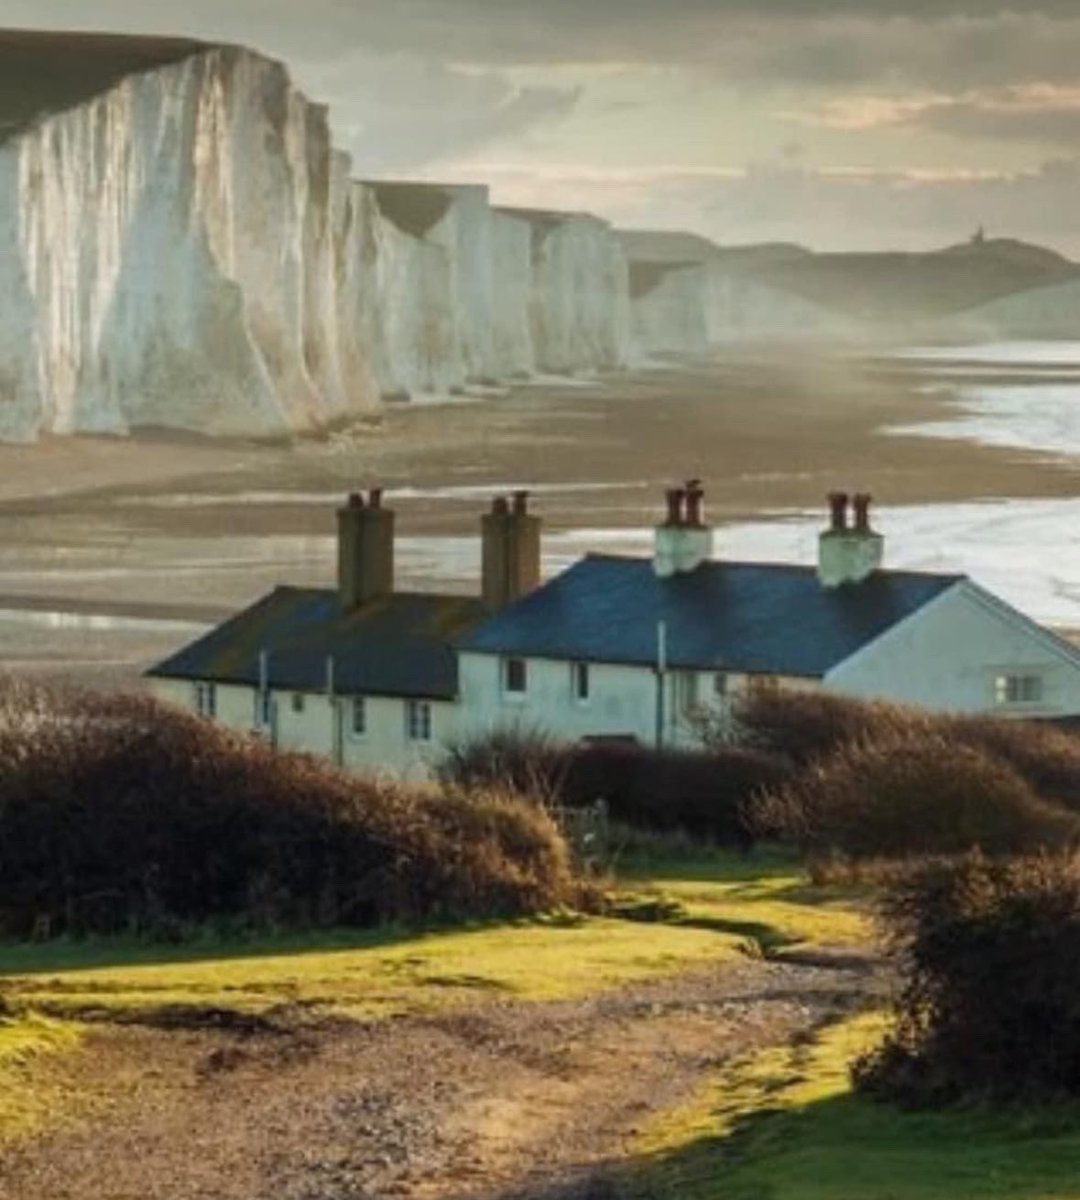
point(991, 1004)
point(119, 813)
point(1048, 758)
point(910, 794)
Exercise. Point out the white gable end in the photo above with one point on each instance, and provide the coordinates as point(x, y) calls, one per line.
point(966, 651)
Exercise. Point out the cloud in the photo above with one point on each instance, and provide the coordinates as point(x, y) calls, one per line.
point(399, 112)
point(1039, 113)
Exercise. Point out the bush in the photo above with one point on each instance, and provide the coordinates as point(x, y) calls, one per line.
point(1047, 758)
point(906, 795)
point(991, 1007)
point(522, 761)
point(803, 727)
point(700, 793)
point(117, 813)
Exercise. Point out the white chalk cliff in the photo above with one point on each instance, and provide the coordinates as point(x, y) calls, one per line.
point(169, 255)
point(181, 246)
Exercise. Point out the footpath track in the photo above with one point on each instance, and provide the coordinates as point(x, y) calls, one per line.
point(503, 1099)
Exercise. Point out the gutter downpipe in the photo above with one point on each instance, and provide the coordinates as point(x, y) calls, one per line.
point(266, 705)
point(661, 674)
point(337, 740)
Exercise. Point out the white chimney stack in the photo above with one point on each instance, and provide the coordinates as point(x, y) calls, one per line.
point(683, 541)
point(848, 553)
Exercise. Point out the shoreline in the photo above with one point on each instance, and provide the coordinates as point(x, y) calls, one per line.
point(175, 527)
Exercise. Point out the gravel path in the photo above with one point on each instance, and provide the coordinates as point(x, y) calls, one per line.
point(504, 1099)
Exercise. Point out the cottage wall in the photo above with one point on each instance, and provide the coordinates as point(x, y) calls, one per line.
point(325, 728)
point(623, 700)
point(950, 655)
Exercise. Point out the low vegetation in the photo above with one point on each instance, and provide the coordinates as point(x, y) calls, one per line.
point(990, 1007)
point(120, 815)
point(872, 783)
point(700, 794)
point(786, 1124)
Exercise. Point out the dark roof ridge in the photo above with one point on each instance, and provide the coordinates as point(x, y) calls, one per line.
point(956, 576)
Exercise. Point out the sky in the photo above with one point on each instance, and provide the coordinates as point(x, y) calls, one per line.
point(839, 124)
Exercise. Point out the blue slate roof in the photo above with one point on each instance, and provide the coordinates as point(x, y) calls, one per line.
point(402, 645)
point(753, 618)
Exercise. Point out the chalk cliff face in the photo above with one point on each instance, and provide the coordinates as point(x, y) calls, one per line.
point(669, 303)
point(172, 247)
point(741, 308)
point(467, 294)
point(579, 313)
point(1045, 312)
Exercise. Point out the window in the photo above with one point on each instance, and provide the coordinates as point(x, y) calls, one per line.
point(206, 699)
point(359, 716)
point(298, 702)
point(418, 720)
point(688, 690)
point(720, 685)
point(264, 708)
point(515, 676)
point(579, 681)
point(1018, 689)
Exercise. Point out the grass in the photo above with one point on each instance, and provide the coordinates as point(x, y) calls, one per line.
point(708, 909)
point(551, 960)
point(784, 1125)
point(26, 1100)
point(765, 898)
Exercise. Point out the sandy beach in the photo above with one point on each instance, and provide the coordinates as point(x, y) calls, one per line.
point(114, 551)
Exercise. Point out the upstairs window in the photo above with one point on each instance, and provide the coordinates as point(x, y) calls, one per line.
point(515, 676)
point(580, 681)
point(298, 702)
point(206, 699)
point(418, 720)
point(1018, 689)
point(359, 716)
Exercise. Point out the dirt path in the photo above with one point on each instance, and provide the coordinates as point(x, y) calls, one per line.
point(502, 1100)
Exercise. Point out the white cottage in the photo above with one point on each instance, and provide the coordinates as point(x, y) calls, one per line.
point(613, 647)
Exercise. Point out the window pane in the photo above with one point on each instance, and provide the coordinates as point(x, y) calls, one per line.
point(418, 718)
point(581, 681)
point(516, 677)
point(359, 715)
point(298, 702)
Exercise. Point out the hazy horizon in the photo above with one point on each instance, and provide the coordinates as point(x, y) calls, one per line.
point(898, 124)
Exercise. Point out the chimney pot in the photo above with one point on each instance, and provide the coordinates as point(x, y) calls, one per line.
point(356, 500)
point(695, 496)
point(521, 503)
point(675, 498)
point(500, 505)
point(862, 512)
point(838, 508)
point(375, 496)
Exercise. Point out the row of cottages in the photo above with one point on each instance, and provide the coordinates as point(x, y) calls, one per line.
point(383, 680)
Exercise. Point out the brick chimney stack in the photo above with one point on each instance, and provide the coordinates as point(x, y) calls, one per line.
point(365, 550)
point(848, 554)
point(510, 551)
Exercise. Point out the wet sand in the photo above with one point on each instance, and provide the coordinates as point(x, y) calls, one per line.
point(157, 529)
